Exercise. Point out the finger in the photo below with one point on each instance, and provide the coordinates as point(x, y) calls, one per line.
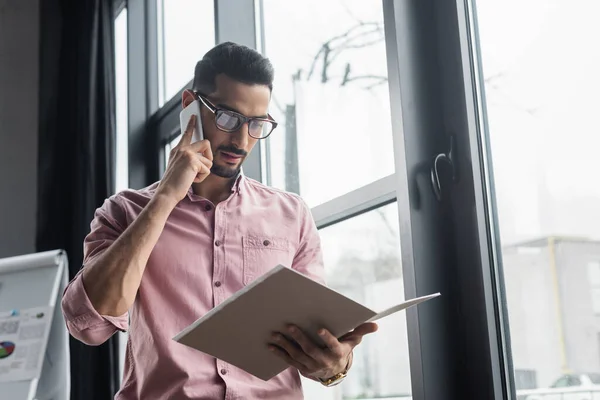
point(205, 161)
point(352, 340)
point(365, 329)
point(285, 357)
point(186, 138)
point(307, 345)
point(201, 175)
point(332, 343)
point(203, 147)
point(359, 330)
point(295, 352)
point(203, 167)
point(355, 336)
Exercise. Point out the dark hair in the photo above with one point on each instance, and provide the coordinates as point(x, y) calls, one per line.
point(238, 62)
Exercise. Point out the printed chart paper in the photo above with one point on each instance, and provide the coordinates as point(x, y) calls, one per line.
point(23, 334)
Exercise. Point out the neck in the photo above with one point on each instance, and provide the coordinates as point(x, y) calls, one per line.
point(214, 188)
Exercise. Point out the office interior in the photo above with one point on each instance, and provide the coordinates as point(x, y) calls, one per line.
point(442, 146)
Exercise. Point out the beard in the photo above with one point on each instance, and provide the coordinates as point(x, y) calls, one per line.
point(226, 171)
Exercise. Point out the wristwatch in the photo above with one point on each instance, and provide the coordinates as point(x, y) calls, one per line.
point(334, 380)
point(338, 378)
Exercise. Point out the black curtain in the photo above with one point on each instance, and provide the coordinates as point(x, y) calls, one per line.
point(76, 153)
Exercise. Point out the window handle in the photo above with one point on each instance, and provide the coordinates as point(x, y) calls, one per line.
point(448, 158)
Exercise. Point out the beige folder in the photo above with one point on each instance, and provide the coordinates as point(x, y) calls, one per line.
point(239, 330)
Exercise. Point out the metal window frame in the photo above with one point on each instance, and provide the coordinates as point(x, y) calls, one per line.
point(369, 197)
point(459, 344)
point(485, 197)
point(143, 91)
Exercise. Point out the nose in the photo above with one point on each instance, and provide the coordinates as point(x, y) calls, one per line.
point(241, 136)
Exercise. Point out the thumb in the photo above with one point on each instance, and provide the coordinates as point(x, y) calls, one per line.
point(357, 334)
point(365, 329)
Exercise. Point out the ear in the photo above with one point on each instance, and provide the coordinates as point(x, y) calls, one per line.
point(187, 97)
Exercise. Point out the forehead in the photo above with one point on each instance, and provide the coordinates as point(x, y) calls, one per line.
point(250, 100)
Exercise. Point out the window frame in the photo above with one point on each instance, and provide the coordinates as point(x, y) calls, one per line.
point(459, 344)
point(448, 244)
point(143, 69)
point(118, 7)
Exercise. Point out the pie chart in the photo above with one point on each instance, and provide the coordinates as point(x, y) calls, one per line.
point(6, 349)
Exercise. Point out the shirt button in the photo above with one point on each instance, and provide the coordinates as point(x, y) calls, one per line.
point(223, 371)
point(218, 243)
point(218, 284)
point(266, 243)
point(208, 207)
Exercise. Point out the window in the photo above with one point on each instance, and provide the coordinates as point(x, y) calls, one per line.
point(541, 84)
point(594, 378)
point(362, 261)
point(330, 97)
point(335, 147)
point(168, 148)
point(525, 379)
point(562, 382)
point(186, 31)
point(122, 168)
point(574, 380)
point(594, 280)
point(567, 381)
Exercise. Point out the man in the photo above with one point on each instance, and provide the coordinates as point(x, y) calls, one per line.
point(158, 258)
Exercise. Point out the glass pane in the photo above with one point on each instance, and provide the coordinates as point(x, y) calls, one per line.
point(330, 97)
point(122, 159)
point(168, 148)
point(362, 261)
point(186, 33)
point(562, 382)
point(122, 167)
point(541, 87)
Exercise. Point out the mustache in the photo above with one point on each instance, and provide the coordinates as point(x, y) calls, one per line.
point(232, 150)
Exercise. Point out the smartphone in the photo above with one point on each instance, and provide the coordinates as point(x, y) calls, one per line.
point(184, 118)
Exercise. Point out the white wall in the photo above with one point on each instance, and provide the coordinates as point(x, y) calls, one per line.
point(19, 60)
point(535, 339)
point(581, 323)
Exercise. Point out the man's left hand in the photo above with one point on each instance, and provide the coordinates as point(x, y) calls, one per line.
point(314, 361)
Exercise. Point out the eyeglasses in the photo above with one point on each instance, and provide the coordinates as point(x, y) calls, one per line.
point(230, 121)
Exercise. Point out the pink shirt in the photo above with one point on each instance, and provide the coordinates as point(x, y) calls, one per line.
point(203, 256)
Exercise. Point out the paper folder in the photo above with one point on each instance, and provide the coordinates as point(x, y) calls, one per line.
point(238, 330)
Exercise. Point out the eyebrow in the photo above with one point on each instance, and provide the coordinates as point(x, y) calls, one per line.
point(226, 107)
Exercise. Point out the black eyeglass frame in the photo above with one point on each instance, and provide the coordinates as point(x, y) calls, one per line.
point(217, 111)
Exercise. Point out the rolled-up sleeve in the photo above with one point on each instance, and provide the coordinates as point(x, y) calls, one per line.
point(83, 321)
point(308, 259)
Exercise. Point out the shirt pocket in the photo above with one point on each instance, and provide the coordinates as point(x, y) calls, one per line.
point(263, 253)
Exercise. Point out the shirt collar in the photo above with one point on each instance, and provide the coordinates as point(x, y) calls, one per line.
point(235, 188)
point(239, 180)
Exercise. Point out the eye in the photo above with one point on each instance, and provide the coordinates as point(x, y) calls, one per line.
point(260, 128)
point(227, 121)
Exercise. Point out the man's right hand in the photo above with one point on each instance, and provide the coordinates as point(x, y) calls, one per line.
point(188, 163)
